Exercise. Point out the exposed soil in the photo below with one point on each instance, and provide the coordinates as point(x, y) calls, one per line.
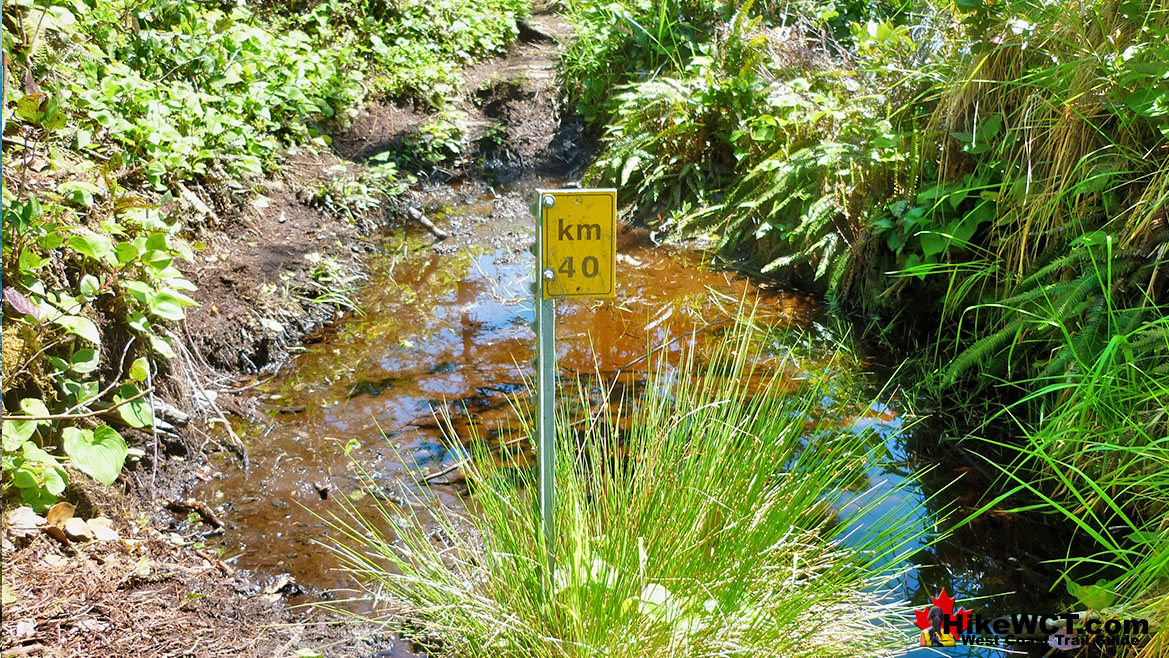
point(156, 591)
point(256, 266)
point(151, 594)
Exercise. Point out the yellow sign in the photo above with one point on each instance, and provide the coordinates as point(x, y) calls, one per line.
point(579, 255)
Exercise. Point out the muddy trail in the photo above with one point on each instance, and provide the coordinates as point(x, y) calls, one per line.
point(441, 330)
point(444, 331)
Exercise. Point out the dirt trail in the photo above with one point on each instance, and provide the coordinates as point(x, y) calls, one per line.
point(515, 125)
point(156, 591)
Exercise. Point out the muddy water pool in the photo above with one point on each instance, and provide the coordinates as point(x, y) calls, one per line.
point(447, 332)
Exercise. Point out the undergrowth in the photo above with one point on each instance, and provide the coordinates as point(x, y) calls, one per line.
point(700, 520)
point(129, 131)
point(992, 176)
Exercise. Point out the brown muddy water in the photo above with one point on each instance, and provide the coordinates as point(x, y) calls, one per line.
point(444, 334)
point(446, 331)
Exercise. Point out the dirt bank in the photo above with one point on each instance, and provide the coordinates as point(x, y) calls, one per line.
point(268, 259)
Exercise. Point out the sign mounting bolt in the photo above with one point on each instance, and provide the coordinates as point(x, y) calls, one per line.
point(549, 201)
point(549, 275)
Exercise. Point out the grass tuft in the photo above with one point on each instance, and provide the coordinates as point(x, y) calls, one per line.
point(697, 516)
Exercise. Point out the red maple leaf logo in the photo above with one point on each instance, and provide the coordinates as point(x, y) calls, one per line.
point(946, 603)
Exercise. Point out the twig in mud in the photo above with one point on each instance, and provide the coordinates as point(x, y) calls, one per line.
point(216, 562)
point(417, 216)
point(258, 382)
point(459, 464)
point(197, 506)
point(237, 445)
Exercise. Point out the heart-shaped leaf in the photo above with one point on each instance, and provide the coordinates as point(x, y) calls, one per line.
point(89, 286)
point(99, 453)
point(94, 245)
point(79, 326)
point(136, 413)
point(933, 243)
point(140, 369)
point(16, 432)
point(85, 360)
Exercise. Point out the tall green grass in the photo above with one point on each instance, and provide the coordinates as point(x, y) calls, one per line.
point(696, 517)
point(1095, 452)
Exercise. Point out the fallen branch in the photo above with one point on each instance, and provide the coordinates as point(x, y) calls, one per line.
point(88, 414)
point(216, 562)
point(417, 216)
point(197, 506)
point(459, 464)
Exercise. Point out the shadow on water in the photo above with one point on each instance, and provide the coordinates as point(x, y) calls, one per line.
point(448, 333)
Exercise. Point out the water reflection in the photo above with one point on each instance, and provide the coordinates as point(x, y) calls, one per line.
point(448, 334)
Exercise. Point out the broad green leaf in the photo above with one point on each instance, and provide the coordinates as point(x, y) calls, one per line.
point(1096, 597)
point(933, 243)
point(138, 322)
point(140, 369)
point(30, 262)
point(79, 326)
point(82, 194)
point(157, 259)
point(94, 245)
point(33, 453)
point(162, 347)
point(25, 478)
point(85, 361)
point(127, 252)
point(168, 305)
point(136, 413)
point(54, 477)
point(99, 453)
point(89, 286)
point(34, 407)
point(37, 498)
point(16, 432)
point(140, 290)
point(30, 106)
point(162, 306)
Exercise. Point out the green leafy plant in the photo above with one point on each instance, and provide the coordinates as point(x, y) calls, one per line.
point(416, 48)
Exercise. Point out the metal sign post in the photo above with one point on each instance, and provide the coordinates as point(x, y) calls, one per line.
point(546, 391)
point(576, 256)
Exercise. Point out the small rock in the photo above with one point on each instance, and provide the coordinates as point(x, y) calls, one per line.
point(23, 522)
point(92, 625)
point(25, 628)
point(78, 530)
point(103, 529)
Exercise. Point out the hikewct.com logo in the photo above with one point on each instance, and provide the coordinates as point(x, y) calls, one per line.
point(943, 626)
